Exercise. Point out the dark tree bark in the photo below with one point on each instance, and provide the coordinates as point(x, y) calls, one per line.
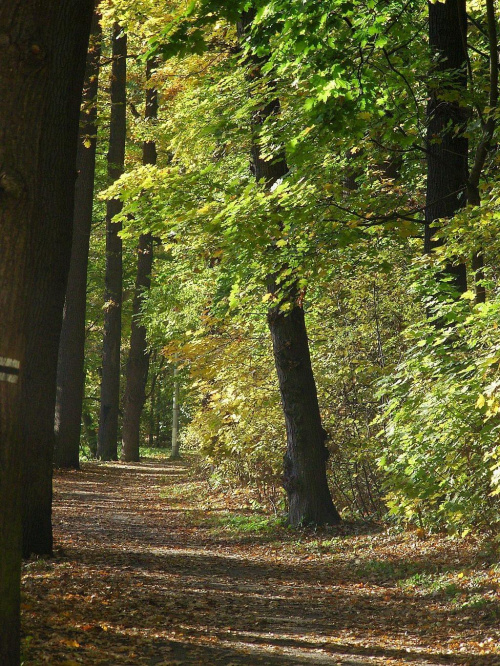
point(107, 445)
point(305, 481)
point(71, 363)
point(138, 360)
point(447, 170)
point(42, 54)
point(48, 274)
point(485, 144)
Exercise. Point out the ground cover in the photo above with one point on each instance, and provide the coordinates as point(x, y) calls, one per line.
point(154, 567)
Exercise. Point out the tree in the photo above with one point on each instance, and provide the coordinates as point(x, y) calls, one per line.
point(110, 384)
point(335, 216)
point(309, 499)
point(175, 455)
point(488, 126)
point(48, 275)
point(70, 372)
point(138, 359)
point(447, 145)
point(42, 60)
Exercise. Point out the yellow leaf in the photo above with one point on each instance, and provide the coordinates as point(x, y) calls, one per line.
point(481, 401)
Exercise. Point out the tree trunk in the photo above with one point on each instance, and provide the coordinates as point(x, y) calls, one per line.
point(304, 479)
point(138, 360)
point(175, 455)
point(447, 170)
point(485, 144)
point(13, 255)
point(42, 49)
point(48, 274)
point(477, 266)
point(71, 370)
point(107, 446)
point(152, 412)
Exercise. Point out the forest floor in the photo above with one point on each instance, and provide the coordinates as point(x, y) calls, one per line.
point(153, 567)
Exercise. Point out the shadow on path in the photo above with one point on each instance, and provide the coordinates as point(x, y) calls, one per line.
point(138, 581)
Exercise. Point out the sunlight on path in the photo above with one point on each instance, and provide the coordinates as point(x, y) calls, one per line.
point(146, 575)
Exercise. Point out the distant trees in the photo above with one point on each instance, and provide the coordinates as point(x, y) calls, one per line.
point(42, 61)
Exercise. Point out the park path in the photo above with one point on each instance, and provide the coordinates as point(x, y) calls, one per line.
point(148, 571)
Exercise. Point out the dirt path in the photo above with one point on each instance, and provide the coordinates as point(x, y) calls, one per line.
point(149, 573)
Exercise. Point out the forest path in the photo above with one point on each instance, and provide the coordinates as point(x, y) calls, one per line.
point(150, 571)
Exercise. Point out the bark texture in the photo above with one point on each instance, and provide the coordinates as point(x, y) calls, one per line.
point(107, 445)
point(138, 360)
point(447, 156)
point(71, 362)
point(42, 55)
point(304, 476)
point(50, 253)
point(304, 479)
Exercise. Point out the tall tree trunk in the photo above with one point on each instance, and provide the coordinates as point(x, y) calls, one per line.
point(138, 360)
point(152, 412)
point(42, 49)
point(13, 261)
point(447, 171)
point(175, 455)
point(107, 445)
point(484, 146)
point(48, 279)
point(71, 362)
point(309, 498)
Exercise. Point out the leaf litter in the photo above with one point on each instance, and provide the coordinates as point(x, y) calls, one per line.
point(153, 567)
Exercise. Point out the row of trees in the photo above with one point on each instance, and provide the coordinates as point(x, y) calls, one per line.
point(71, 372)
point(301, 149)
point(292, 164)
point(42, 56)
point(290, 150)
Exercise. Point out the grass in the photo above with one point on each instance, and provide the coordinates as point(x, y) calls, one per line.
point(159, 454)
point(145, 452)
point(248, 524)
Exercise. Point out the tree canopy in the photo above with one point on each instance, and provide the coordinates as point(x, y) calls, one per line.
point(284, 265)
